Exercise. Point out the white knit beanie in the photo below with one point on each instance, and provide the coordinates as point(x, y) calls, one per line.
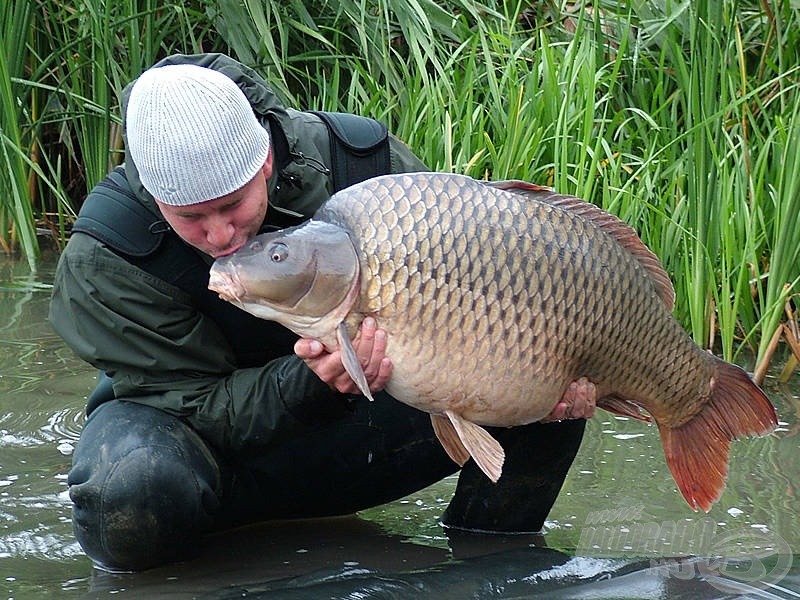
point(192, 134)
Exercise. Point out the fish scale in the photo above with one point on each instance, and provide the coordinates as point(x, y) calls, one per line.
point(449, 287)
point(496, 297)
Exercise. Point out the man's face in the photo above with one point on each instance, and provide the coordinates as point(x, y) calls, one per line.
point(222, 225)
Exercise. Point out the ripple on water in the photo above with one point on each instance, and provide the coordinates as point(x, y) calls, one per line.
point(36, 523)
point(29, 429)
point(10, 438)
point(64, 425)
point(577, 568)
point(39, 544)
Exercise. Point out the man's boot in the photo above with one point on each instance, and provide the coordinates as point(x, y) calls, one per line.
point(538, 457)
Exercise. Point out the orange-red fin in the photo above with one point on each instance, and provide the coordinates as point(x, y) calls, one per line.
point(623, 234)
point(697, 451)
point(624, 408)
point(449, 439)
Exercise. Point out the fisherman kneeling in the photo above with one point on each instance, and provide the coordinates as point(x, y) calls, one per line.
point(206, 417)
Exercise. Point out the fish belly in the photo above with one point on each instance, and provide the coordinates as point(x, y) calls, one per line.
point(469, 380)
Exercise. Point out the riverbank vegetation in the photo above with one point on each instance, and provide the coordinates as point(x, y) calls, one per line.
point(681, 117)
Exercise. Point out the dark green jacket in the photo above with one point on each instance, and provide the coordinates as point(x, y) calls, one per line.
point(159, 349)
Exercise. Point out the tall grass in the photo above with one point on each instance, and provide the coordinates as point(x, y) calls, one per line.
point(63, 67)
point(680, 117)
point(17, 223)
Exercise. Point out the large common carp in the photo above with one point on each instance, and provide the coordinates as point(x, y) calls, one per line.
point(495, 297)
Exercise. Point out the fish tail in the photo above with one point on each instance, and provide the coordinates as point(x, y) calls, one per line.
point(697, 451)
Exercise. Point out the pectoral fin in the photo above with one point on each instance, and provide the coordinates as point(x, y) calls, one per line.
point(447, 435)
point(482, 447)
point(350, 361)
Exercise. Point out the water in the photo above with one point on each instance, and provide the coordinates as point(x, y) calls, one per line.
point(619, 529)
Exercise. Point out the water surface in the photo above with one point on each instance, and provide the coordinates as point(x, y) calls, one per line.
point(620, 529)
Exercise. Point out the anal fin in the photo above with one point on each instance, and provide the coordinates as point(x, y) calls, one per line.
point(622, 407)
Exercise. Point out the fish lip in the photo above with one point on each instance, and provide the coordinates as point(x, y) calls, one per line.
point(227, 285)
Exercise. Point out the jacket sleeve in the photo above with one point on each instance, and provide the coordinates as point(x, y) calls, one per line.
point(402, 159)
point(159, 350)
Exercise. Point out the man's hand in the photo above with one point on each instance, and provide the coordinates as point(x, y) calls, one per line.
point(578, 402)
point(370, 346)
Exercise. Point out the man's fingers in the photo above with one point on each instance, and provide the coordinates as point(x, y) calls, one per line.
point(558, 413)
point(370, 346)
point(365, 341)
point(585, 398)
point(578, 402)
point(384, 373)
point(306, 348)
point(584, 407)
point(379, 343)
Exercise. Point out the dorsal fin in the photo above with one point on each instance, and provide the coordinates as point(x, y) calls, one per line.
point(623, 234)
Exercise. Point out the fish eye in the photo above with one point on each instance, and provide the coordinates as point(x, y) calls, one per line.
point(278, 252)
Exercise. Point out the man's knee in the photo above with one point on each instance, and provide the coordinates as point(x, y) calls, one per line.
point(143, 486)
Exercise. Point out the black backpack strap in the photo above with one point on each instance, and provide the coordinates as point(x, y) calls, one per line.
point(359, 148)
point(112, 214)
point(280, 145)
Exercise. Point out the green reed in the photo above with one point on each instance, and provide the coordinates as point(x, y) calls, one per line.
point(17, 225)
point(679, 117)
point(63, 67)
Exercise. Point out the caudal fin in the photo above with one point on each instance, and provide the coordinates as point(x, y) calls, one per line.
point(697, 451)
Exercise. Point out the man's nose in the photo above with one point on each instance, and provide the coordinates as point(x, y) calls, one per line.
point(219, 232)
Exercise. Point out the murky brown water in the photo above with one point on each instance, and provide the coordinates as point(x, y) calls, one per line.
point(619, 516)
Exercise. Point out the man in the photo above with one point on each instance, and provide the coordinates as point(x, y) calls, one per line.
point(207, 417)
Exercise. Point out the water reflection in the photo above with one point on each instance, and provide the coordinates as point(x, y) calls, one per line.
point(612, 533)
point(42, 391)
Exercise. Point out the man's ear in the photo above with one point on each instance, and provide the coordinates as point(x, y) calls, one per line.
point(267, 168)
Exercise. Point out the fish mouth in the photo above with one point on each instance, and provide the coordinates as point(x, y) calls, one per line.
point(227, 285)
